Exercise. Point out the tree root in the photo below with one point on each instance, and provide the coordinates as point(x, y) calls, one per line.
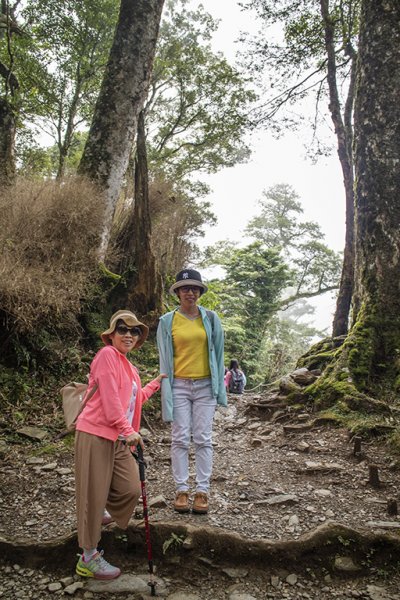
point(317, 548)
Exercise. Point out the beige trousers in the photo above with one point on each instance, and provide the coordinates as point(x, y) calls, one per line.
point(106, 475)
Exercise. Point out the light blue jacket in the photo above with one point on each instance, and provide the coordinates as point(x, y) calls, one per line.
point(215, 337)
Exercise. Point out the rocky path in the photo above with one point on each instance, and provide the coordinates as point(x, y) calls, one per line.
point(278, 476)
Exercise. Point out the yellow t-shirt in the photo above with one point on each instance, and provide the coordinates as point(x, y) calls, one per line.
point(190, 348)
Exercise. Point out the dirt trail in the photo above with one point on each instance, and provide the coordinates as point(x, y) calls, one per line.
point(279, 480)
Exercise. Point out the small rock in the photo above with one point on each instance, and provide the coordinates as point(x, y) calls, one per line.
point(49, 466)
point(158, 502)
point(291, 579)
point(297, 428)
point(256, 442)
point(384, 524)
point(346, 565)
point(33, 433)
point(63, 471)
point(275, 581)
point(323, 493)
point(256, 425)
point(35, 460)
point(303, 376)
point(235, 573)
point(73, 587)
point(145, 432)
point(280, 499)
point(303, 447)
point(125, 583)
point(378, 593)
point(54, 587)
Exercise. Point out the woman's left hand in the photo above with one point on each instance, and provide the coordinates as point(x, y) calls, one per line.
point(161, 377)
point(134, 439)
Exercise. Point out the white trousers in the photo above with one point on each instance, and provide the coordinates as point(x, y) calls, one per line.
point(194, 408)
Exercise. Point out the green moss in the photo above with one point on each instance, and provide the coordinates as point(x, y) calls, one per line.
point(321, 354)
point(316, 361)
point(394, 441)
point(108, 275)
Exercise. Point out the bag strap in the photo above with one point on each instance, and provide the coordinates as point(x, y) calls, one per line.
point(87, 397)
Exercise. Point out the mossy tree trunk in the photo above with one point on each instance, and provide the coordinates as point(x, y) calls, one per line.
point(368, 363)
point(376, 298)
point(122, 95)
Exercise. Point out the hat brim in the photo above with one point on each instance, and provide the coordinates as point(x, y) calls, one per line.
point(178, 284)
point(130, 321)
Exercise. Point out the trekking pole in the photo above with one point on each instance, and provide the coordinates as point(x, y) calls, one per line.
point(142, 466)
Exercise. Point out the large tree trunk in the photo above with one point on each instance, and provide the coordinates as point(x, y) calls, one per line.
point(7, 143)
point(122, 95)
point(141, 289)
point(367, 369)
point(344, 135)
point(376, 299)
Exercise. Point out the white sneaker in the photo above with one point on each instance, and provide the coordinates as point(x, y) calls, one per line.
point(97, 567)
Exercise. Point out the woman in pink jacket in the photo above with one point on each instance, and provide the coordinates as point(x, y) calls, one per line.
point(105, 473)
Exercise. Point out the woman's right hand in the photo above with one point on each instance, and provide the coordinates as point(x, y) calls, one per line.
point(134, 439)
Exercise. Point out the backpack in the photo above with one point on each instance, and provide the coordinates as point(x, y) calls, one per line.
point(236, 382)
point(74, 399)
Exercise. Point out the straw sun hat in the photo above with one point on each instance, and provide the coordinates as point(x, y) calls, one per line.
point(130, 320)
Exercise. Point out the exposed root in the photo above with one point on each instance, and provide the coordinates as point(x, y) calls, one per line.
point(319, 547)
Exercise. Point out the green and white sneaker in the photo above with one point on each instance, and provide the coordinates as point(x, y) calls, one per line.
point(97, 567)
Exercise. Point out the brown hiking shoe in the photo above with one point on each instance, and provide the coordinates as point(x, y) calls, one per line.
point(200, 504)
point(181, 503)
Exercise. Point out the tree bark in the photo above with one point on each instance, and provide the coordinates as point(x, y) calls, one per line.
point(7, 143)
point(344, 135)
point(122, 95)
point(141, 289)
point(365, 373)
point(376, 298)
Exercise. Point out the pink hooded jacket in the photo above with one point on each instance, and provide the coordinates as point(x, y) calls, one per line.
point(105, 413)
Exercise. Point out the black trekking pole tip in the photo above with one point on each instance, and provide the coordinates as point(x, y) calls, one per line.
point(152, 585)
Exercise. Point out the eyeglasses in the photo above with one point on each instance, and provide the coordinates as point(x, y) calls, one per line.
point(190, 288)
point(134, 331)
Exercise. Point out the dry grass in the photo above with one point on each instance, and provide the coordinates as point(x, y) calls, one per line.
point(48, 242)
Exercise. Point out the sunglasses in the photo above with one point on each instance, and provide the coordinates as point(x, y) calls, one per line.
point(134, 331)
point(190, 288)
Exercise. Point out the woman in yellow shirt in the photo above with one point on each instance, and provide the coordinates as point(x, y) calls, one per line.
point(191, 346)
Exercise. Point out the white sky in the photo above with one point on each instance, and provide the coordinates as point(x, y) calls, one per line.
point(235, 191)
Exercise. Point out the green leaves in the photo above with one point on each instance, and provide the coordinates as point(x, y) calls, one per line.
point(200, 104)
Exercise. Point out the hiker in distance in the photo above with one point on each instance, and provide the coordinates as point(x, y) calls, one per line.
point(191, 347)
point(235, 379)
point(106, 476)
